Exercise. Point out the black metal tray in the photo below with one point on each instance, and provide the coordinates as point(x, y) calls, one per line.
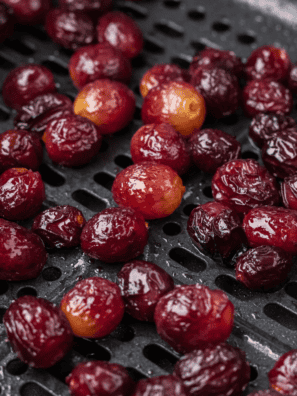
point(265, 323)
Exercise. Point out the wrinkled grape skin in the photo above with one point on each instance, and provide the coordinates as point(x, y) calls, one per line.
point(22, 253)
point(7, 20)
point(40, 111)
point(219, 89)
point(29, 12)
point(163, 385)
point(38, 331)
point(263, 267)
point(72, 140)
point(162, 144)
point(155, 190)
point(26, 82)
point(94, 307)
point(93, 8)
point(266, 126)
point(121, 31)
point(99, 378)
point(266, 392)
point(283, 376)
point(214, 227)
point(217, 58)
point(279, 154)
point(21, 193)
point(266, 96)
point(244, 184)
point(107, 103)
point(18, 149)
point(59, 227)
point(268, 62)
point(289, 192)
point(292, 79)
point(99, 61)
point(115, 235)
point(211, 148)
point(70, 29)
point(194, 317)
point(218, 370)
point(158, 74)
point(142, 284)
point(272, 226)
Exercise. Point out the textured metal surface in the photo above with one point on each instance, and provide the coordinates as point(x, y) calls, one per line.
point(265, 323)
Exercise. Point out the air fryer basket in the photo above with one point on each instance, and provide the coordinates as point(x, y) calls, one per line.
point(265, 323)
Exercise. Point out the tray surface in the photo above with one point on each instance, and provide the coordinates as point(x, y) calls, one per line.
point(265, 323)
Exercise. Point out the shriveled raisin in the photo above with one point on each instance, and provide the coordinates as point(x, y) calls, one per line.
point(22, 253)
point(263, 267)
point(279, 154)
point(272, 226)
point(217, 58)
point(261, 96)
point(99, 378)
point(266, 125)
point(38, 331)
point(216, 228)
point(268, 62)
point(115, 235)
point(194, 317)
point(72, 140)
point(289, 192)
point(69, 29)
point(244, 184)
point(219, 89)
point(217, 370)
point(60, 226)
point(18, 149)
point(283, 376)
point(163, 385)
point(142, 284)
point(21, 193)
point(211, 148)
point(43, 109)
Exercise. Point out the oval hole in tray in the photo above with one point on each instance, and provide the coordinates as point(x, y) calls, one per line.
point(160, 357)
point(51, 274)
point(88, 200)
point(104, 179)
point(51, 177)
point(197, 14)
point(2, 312)
point(170, 28)
point(62, 368)
point(27, 291)
point(4, 286)
point(56, 67)
point(232, 286)
point(281, 315)
point(123, 161)
point(187, 259)
point(291, 289)
point(33, 389)
point(91, 348)
point(135, 374)
point(16, 367)
point(6, 64)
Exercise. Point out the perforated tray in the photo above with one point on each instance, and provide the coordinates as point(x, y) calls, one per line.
point(265, 323)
